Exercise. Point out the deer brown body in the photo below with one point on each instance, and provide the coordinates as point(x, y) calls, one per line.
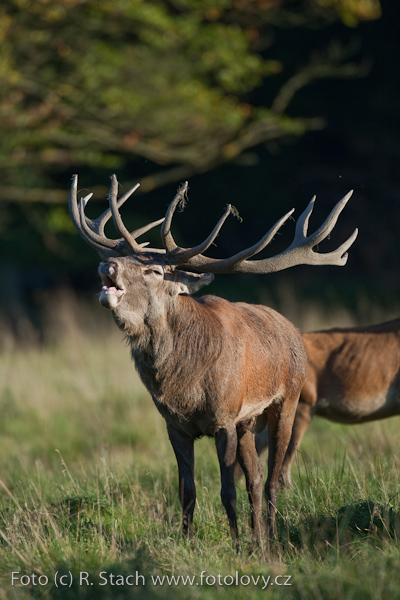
point(212, 367)
point(353, 376)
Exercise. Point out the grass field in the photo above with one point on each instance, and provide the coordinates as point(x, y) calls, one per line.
point(88, 492)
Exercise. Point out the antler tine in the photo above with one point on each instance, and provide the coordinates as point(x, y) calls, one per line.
point(166, 235)
point(75, 214)
point(80, 220)
point(99, 223)
point(325, 229)
point(302, 221)
point(92, 230)
point(304, 245)
point(339, 256)
point(130, 240)
point(73, 206)
point(141, 230)
point(265, 240)
point(175, 253)
point(100, 241)
point(185, 255)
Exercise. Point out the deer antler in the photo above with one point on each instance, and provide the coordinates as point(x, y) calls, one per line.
point(299, 252)
point(92, 230)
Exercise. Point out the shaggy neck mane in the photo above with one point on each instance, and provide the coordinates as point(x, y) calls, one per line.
point(170, 355)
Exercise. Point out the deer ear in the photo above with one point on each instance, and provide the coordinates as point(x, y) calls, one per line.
point(190, 283)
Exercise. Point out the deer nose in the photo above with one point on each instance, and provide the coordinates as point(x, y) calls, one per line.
point(108, 268)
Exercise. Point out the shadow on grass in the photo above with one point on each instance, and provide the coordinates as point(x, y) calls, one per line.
point(135, 578)
point(75, 513)
point(353, 522)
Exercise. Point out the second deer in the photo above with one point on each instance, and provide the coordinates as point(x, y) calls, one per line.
point(353, 376)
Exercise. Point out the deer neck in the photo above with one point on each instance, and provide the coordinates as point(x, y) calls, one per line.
point(153, 342)
point(169, 356)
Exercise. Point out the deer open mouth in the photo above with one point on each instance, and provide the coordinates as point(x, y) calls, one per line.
point(111, 292)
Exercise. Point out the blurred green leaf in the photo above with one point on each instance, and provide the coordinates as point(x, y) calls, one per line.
point(98, 83)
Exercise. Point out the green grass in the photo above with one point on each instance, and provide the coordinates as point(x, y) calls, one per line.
point(89, 484)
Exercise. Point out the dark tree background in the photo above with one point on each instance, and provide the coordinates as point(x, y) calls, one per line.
point(260, 103)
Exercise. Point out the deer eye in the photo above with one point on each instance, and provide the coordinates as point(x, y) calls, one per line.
point(156, 270)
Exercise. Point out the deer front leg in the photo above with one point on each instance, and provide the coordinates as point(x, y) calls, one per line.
point(280, 422)
point(226, 443)
point(184, 451)
point(254, 473)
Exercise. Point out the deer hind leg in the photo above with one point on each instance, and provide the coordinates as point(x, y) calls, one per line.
point(226, 444)
point(261, 443)
point(280, 417)
point(184, 451)
point(302, 420)
point(254, 474)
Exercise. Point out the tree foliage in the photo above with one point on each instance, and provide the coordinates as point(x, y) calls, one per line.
point(98, 83)
point(353, 11)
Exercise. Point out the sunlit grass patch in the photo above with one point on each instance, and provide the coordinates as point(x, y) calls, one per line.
point(89, 484)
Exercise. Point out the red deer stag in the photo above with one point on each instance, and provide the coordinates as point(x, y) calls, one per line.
point(353, 376)
point(212, 367)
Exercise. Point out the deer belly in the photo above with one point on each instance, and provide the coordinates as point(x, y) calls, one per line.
point(249, 410)
point(358, 408)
